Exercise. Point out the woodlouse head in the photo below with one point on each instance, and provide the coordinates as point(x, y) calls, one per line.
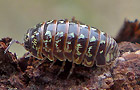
point(32, 41)
point(27, 41)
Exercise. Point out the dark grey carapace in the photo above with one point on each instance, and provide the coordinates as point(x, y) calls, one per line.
point(72, 41)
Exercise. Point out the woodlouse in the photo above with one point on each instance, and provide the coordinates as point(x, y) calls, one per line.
point(71, 40)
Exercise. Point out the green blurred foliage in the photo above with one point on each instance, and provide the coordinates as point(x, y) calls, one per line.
point(16, 16)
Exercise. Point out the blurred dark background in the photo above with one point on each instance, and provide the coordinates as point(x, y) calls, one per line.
point(16, 16)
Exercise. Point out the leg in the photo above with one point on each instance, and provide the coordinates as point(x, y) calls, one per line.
point(71, 70)
point(62, 68)
point(13, 41)
point(26, 54)
point(31, 60)
point(53, 62)
point(40, 62)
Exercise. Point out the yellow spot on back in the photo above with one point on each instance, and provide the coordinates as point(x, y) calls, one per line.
point(61, 21)
point(34, 41)
point(48, 33)
point(60, 34)
point(83, 26)
point(28, 34)
point(32, 36)
point(89, 63)
point(69, 42)
point(93, 29)
point(81, 36)
point(37, 33)
point(49, 22)
point(102, 41)
point(107, 57)
point(101, 51)
point(78, 53)
point(56, 43)
point(77, 59)
point(72, 34)
point(78, 45)
point(93, 39)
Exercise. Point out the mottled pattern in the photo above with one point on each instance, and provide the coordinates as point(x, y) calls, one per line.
point(49, 38)
point(82, 44)
point(33, 42)
point(72, 41)
point(92, 49)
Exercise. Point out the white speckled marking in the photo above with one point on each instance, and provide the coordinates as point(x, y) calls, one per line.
point(56, 43)
point(48, 33)
point(34, 41)
point(77, 48)
point(60, 34)
point(101, 51)
point(89, 54)
point(103, 33)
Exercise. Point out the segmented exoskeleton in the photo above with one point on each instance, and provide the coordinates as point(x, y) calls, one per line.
point(72, 41)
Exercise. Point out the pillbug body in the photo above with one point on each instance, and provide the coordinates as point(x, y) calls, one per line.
point(72, 41)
